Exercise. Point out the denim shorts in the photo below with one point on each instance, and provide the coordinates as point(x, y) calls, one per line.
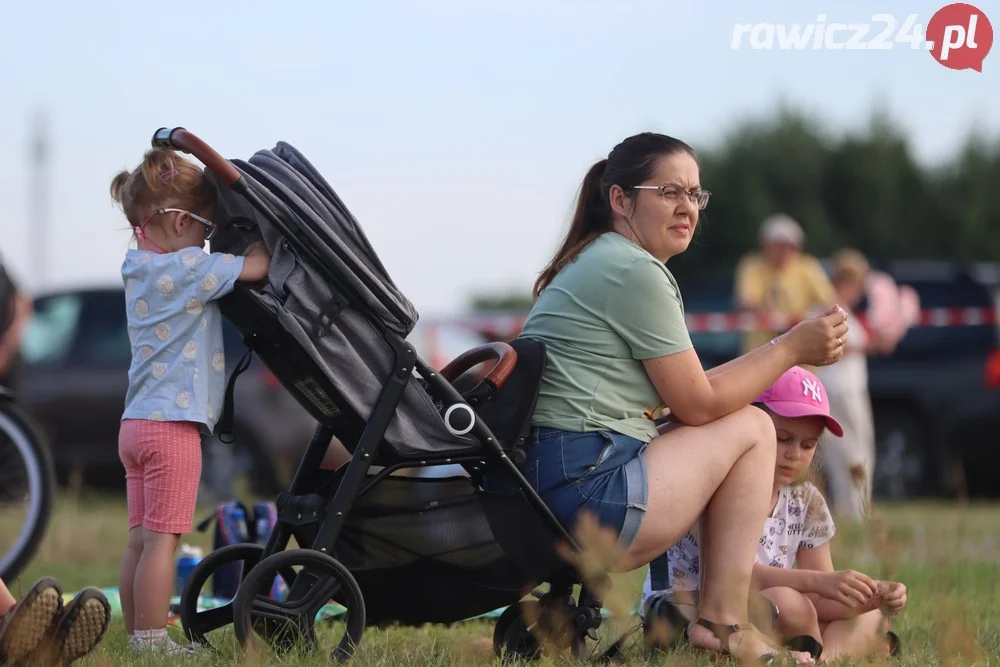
point(600, 472)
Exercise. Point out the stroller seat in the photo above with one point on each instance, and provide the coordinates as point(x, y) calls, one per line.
point(331, 325)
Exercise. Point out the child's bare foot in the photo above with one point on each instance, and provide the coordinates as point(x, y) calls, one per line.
point(702, 637)
point(746, 643)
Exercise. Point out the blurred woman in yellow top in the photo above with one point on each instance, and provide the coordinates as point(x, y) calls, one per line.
point(781, 279)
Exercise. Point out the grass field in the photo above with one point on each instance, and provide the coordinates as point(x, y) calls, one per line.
point(948, 556)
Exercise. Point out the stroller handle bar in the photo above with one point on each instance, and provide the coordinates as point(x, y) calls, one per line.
point(182, 140)
point(505, 355)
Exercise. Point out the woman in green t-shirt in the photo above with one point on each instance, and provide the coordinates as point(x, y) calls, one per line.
point(620, 359)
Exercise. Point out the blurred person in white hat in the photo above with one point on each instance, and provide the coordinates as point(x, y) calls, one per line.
point(781, 279)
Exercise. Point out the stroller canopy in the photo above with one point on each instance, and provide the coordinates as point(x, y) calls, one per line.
point(330, 293)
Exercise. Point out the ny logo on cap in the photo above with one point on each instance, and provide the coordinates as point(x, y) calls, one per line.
point(809, 386)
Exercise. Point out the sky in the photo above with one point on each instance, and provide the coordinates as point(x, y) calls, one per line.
point(456, 131)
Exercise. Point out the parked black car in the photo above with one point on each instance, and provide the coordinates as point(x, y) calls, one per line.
point(936, 399)
point(76, 357)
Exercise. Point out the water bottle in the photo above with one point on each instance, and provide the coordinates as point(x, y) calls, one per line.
point(240, 518)
point(261, 531)
point(187, 560)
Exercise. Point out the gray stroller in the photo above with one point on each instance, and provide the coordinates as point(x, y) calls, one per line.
point(381, 548)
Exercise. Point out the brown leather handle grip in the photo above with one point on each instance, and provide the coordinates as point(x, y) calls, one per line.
point(182, 140)
point(505, 355)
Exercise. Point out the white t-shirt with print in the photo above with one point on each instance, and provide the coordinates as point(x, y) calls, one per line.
point(800, 520)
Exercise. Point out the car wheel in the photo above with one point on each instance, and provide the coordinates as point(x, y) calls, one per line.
point(904, 462)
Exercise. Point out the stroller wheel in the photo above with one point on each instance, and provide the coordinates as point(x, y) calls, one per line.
point(320, 581)
point(235, 559)
point(512, 636)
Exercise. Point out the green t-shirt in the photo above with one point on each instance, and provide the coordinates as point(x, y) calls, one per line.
point(605, 312)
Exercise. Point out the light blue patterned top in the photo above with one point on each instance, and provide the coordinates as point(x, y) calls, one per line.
point(178, 362)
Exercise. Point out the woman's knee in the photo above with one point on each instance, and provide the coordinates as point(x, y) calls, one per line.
point(758, 427)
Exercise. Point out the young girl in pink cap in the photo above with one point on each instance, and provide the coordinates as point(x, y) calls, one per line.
point(806, 603)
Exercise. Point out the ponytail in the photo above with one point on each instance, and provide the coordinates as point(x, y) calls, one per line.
point(118, 186)
point(629, 164)
point(591, 219)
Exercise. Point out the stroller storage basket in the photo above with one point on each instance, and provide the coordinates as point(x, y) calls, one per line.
point(437, 550)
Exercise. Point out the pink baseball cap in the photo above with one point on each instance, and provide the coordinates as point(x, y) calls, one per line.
point(799, 393)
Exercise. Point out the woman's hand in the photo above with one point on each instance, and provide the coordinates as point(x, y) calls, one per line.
point(848, 587)
point(893, 595)
point(818, 341)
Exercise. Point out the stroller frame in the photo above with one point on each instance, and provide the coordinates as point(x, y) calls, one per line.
point(298, 507)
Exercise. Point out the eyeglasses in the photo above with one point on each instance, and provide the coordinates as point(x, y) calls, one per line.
point(212, 227)
point(140, 231)
point(671, 192)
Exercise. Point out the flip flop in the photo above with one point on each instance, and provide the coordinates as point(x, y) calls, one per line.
point(25, 624)
point(76, 632)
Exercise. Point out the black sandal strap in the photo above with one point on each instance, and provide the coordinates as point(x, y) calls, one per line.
point(806, 644)
point(894, 643)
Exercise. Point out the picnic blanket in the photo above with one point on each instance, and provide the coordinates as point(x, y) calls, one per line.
point(205, 602)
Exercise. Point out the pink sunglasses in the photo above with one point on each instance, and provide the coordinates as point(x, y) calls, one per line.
point(140, 232)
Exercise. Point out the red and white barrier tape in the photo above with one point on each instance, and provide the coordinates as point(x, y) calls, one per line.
point(747, 322)
point(725, 322)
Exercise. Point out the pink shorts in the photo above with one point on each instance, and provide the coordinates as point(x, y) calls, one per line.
point(162, 471)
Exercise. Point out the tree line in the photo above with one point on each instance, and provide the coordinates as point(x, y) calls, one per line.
point(862, 189)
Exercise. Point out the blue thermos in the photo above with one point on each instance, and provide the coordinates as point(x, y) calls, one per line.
point(186, 562)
